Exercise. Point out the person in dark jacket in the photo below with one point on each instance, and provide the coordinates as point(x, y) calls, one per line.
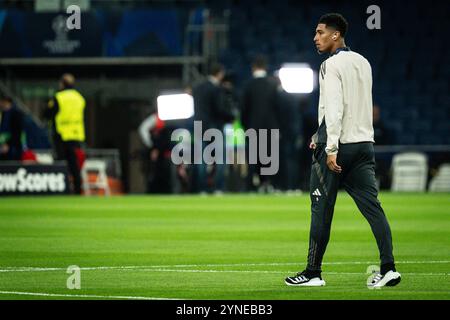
point(212, 109)
point(259, 110)
point(11, 130)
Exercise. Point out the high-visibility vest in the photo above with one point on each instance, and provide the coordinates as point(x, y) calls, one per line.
point(69, 120)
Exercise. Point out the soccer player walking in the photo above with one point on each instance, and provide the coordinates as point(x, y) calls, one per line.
point(343, 152)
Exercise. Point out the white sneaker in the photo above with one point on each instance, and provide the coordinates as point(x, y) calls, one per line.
point(390, 279)
point(302, 280)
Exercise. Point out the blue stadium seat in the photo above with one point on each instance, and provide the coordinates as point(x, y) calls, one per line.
point(443, 100)
point(406, 138)
point(422, 99)
point(438, 86)
point(423, 125)
point(411, 113)
point(430, 139)
point(394, 126)
point(423, 71)
point(442, 125)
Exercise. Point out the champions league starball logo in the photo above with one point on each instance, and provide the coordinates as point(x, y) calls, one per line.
point(60, 28)
point(62, 25)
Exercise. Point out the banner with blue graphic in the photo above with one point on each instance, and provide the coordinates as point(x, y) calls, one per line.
point(129, 33)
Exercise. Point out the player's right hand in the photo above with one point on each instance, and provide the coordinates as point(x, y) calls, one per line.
point(312, 145)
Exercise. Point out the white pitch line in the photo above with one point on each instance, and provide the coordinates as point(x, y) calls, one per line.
point(42, 294)
point(210, 271)
point(37, 269)
point(262, 271)
point(278, 272)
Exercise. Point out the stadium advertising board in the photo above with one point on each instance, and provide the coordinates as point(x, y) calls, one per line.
point(18, 179)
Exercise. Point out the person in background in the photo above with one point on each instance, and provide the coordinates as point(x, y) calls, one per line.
point(11, 130)
point(212, 110)
point(156, 137)
point(259, 110)
point(66, 113)
point(230, 104)
point(381, 137)
point(381, 133)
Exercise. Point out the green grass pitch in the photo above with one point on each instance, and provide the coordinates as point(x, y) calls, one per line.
point(213, 247)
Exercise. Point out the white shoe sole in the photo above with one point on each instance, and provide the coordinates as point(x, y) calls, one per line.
point(311, 283)
point(390, 279)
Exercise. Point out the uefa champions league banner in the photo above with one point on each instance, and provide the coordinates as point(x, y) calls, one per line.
point(125, 33)
point(48, 36)
point(33, 179)
point(30, 35)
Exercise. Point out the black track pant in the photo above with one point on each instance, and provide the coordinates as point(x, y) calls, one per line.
point(358, 178)
point(66, 150)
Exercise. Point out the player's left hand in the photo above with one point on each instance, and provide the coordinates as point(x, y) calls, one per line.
point(332, 164)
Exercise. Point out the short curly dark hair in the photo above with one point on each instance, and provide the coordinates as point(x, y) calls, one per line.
point(260, 62)
point(335, 21)
point(216, 68)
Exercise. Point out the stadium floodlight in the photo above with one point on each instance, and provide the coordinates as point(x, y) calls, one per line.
point(296, 78)
point(175, 106)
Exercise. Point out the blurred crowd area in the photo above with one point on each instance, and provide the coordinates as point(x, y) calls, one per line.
point(410, 91)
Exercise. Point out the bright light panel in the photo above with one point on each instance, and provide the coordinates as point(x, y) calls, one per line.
point(175, 106)
point(296, 78)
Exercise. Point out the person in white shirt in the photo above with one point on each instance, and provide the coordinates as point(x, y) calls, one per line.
point(343, 153)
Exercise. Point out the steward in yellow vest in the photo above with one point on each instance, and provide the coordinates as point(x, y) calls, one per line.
point(66, 111)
